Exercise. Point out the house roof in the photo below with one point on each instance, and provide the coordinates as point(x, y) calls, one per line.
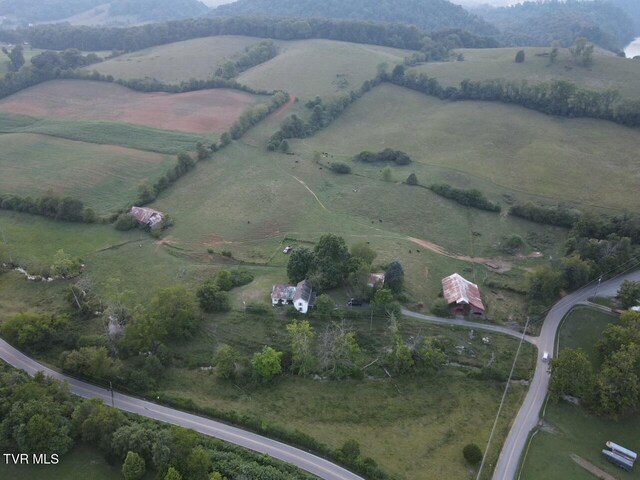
point(146, 215)
point(458, 290)
point(283, 292)
point(303, 292)
point(375, 278)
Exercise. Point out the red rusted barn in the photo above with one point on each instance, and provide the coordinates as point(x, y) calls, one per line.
point(462, 296)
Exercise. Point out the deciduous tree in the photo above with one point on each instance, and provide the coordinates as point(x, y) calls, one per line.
point(133, 467)
point(267, 363)
point(301, 336)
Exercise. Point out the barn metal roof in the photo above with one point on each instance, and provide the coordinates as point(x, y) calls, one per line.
point(146, 215)
point(456, 289)
point(283, 292)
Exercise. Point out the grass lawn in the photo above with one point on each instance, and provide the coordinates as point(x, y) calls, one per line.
point(306, 68)
point(176, 62)
point(79, 464)
point(607, 71)
point(494, 147)
point(105, 177)
point(570, 429)
point(106, 133)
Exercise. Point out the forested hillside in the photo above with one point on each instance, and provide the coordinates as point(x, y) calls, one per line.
point(539, 24)
point(426, 14)
point(143, 10)
point(44, 10)
point(632, 8)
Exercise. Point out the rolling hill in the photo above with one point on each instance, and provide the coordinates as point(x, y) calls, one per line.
point(427, 14)
point(136, 11)
point(539, 24)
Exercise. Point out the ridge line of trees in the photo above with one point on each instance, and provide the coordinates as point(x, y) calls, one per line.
point(61, 37)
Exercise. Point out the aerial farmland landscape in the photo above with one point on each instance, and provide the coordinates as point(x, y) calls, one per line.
point(268, 239)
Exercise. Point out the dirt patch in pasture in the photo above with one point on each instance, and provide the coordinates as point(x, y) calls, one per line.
point(494, 264)
point(281, 111)
point(204, 111)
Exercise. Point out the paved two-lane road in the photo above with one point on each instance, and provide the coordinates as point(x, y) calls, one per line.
point(529, 413)
point(304, 460)
point(507, 466)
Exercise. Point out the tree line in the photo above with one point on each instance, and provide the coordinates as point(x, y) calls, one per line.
point(557, 97)
point(39, 415)
point(613, 390)
point(61, 37)
point(50, 205)
point(596, 245)
point(558, 215)
point(469, 198)
point(252, 56)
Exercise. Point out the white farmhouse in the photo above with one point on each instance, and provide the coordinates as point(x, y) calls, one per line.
point(302, 296)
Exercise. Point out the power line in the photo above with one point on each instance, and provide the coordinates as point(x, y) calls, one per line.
point(504, 396)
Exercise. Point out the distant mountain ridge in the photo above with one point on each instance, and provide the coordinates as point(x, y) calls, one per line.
point(141, 10)
point(632, 8)
point(540, 23)
point(428, 15)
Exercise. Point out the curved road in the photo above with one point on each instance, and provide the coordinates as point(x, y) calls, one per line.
point(304, 460)
point(506, 468)
point(464, 323)
point(529, 413)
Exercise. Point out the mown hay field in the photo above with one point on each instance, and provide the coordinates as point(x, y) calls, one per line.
point(607, 71)
point(203, 111)
point(104, 177)
point(105, 133)
point(306, 68)
point(176, 62)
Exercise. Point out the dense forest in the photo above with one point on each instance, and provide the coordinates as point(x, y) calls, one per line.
point(426, 14)
point(62, 37)
point(54, 10)
point(540, 23)
point(632, 8)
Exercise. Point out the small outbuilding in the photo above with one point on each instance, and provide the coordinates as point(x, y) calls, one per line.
point(376, 279)
point(462, 296)
point(147, 216)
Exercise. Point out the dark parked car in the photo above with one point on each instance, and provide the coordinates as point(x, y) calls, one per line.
point(354, 302)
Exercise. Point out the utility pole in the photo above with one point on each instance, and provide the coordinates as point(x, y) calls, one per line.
point(598, 286)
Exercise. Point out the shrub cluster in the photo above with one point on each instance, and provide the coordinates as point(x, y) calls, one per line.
point(386, 156)
point(557, 215)
point(469, 198)
point(67, 208)
point(339, 167)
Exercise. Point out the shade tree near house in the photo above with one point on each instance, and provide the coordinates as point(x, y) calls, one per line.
point(629, 294)
point(614, 390)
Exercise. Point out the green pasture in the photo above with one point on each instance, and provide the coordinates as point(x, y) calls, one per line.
point(28, 53)
point(106, 133)
point(415, 426)
point(607, 71)
point(307, 68)
point(176, 62)
point(104, 177)
point(497, 148)
point(569, 429)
